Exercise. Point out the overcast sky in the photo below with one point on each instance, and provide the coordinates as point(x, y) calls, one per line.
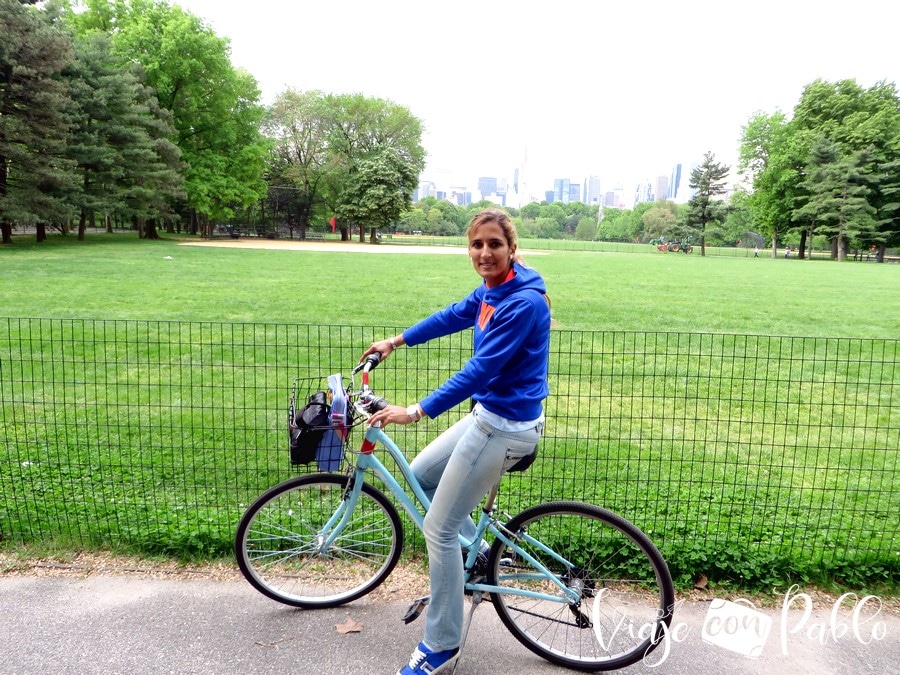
point(623, 89)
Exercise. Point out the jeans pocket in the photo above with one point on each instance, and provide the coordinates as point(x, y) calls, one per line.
point(519, 456)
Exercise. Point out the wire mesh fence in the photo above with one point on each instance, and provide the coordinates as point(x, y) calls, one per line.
point(742, 456)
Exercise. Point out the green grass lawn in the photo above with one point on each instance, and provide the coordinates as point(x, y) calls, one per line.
point(694, 436)
point(118, 277)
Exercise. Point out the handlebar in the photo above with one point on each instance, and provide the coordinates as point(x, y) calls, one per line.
point(370, 362)
point(368, 402)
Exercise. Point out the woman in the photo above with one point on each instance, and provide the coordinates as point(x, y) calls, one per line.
point(507, 378)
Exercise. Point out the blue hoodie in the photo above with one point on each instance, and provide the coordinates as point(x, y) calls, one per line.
point(507, 373)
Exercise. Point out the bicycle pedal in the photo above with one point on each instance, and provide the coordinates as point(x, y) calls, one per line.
point(416, 608)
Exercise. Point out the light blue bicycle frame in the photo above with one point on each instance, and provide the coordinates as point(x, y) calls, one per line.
point(367, 461)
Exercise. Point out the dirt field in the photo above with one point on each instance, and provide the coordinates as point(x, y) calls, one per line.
point(327, 246)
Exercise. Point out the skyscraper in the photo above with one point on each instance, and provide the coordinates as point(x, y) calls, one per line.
point(592, 193)
point(675, 182)
point(487, 186)
point(561, 190)
point(643, 192)
point(574, 192)
point(662, 188)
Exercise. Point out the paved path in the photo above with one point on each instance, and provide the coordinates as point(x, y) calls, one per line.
point(113, 623)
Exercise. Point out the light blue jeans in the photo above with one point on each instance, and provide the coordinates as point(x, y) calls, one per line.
point(456, 471)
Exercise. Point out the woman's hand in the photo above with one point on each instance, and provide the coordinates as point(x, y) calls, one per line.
point(392, 414)
point(384, 347)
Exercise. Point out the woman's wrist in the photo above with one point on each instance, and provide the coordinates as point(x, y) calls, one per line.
point(396, 342)
point(415, 412)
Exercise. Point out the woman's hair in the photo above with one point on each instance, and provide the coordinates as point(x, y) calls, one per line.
point(504, 221)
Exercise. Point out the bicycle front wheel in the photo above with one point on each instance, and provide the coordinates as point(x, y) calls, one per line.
point(624, 592)
point(281, 550)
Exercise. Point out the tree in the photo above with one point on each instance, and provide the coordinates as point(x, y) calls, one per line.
point(214, 108)
point(739, 223)
point(618, 225)
point(660, 220)
point(704, 210)
point(298, 125)
point(769, 161)
point(836, 196)
point(367, 133)
point(413, 220)
point(586, 229)
point(375, 193)
point(775, 154)
point(36, 178)
point(121, 141)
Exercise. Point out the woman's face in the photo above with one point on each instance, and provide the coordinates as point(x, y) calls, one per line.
point(490, 253)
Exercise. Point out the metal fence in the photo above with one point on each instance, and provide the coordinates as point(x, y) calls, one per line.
point(744, 457)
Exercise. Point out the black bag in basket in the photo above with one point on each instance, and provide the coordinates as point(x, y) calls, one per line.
point(308, 427)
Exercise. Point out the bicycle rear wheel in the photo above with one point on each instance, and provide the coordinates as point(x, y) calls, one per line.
point(626, 592)
point(279, 542)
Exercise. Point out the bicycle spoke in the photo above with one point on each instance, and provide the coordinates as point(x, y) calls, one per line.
point(281, 543)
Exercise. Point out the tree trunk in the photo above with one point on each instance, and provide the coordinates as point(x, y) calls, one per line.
point(703, 244)
point(841, 245)
point(109, 227)
point(40, 232)
point(6, 229)
point(345, 233)
point(82, 223)
point(802, 250)
point(150, 229)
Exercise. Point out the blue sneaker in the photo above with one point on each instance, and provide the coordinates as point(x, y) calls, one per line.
point(426, 662)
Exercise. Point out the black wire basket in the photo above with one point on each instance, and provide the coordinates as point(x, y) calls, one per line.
point(317, 431)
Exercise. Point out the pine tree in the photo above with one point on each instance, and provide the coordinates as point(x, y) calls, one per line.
point(836, 202)
point(704, 210)
point(36, 179)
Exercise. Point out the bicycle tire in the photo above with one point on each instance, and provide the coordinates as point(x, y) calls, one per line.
point(627, 595)
point(277, 542)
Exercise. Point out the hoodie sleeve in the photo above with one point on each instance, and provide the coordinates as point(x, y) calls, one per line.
point(452, 319)
point(510, 328)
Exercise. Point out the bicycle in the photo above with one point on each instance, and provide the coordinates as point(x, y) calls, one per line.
point(576, 584)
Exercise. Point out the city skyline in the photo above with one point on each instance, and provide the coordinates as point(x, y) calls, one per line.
point(619, 90)
point(589, 190)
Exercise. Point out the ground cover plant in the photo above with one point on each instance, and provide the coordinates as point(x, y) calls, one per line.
point(171, 394)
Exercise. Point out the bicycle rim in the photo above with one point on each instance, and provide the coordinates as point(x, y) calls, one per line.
point(280, 542)
point(625, 590)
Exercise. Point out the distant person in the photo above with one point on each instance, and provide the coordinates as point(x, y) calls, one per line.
point(787, 252)
point(756, 252)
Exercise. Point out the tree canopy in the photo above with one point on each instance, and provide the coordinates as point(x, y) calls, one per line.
point(844, 135)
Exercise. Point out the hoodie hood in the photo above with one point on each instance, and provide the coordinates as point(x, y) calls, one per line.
point(525, 279)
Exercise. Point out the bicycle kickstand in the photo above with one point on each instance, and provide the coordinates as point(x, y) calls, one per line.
point(477, 598)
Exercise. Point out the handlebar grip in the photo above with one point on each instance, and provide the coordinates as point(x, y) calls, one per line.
point(376, 404)
point(372, 360)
